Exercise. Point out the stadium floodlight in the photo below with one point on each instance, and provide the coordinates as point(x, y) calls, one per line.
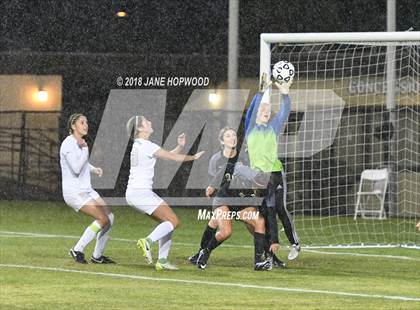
point(352, 73)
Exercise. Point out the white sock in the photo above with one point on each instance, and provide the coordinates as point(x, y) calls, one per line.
point(101, 240)
point(165, 245)
point(88, 236)
point(160, 231)
point(106, 228)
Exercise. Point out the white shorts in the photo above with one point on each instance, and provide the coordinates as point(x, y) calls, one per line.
point(143, 200)
point(78, 200)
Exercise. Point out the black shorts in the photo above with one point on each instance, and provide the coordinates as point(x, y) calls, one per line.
point(225, 201)
point(274, 185)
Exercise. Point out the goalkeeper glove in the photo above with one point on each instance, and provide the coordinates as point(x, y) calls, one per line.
point(284, 87)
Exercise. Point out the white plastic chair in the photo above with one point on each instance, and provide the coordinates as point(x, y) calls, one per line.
point(371, 194)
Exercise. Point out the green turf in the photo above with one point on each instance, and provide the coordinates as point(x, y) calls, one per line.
point(42, 289)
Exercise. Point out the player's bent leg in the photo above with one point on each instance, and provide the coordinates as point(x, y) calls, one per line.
point(286, 219)
point(162, 233)
point(225, 230)
point(164, 247)
point(92, 209)
point(100, 202)
point(250, 228)
point(250, 216)
point(224, 223)
point(103, 236)
point(289, 229)
point(165, 213)
point(208, 233)
point(257, 223)
point(256, 226)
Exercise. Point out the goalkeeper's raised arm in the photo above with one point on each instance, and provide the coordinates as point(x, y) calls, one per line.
point(281, 117)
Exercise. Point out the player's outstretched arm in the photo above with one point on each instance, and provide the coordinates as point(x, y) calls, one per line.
point(164, 154)
point(251, 114)
point(285, 107)
point(181, 143)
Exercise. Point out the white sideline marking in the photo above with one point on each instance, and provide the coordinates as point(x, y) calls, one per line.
point(232, 284)
point(42, 235)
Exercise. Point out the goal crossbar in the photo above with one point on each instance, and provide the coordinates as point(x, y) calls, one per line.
point(266, 39)
point(325, 37)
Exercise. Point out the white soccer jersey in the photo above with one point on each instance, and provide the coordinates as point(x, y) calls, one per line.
point(75, 168)
point(143, 162)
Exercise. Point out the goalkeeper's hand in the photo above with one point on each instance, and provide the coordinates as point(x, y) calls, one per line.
point(265, 86)
point(284, 87)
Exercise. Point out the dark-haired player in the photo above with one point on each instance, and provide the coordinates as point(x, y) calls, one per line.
point(222, 167)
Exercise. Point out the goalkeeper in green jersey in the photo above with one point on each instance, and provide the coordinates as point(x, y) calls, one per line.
point(261, 136)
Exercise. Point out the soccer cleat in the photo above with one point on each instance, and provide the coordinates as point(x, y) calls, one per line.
point(165, 266)
point(144, 246)
point(277, 263)
point(102, 260)
point(264, 265)
point(294, 252)
point(203, 256)
point(193, 258)
point(78, 256)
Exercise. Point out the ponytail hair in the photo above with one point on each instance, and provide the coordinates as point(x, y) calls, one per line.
point(72, 120)
point(133, 123)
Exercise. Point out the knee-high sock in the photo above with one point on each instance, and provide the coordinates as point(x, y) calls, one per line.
point(102, 238)
point(106, 228)
point(160, 231)
point(165, 245)
point(213, 243)
point(267, 243)
point(100, 244)
point(88, 235)
point(258, 247)
point(207, 235)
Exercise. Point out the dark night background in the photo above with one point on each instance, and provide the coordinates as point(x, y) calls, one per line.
point(85, 43)
point(181, 27)
point(89, 46)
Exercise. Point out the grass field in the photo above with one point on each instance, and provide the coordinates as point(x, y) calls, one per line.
point(37, 273)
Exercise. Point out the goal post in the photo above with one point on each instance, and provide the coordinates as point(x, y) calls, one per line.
point(372, 80)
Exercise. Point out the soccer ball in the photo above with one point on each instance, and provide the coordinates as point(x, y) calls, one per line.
point(283, 71)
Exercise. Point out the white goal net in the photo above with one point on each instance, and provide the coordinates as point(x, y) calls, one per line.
point(355, 111)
